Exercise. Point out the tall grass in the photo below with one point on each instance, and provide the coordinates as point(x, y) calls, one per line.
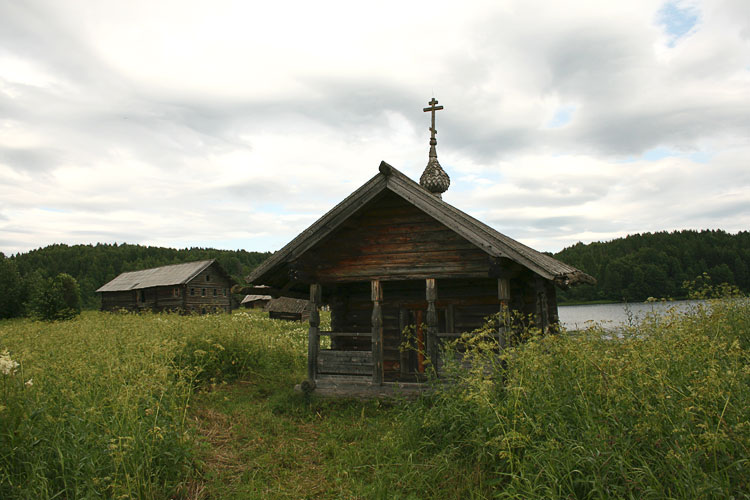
point(98, 407)
point(104, 413)
point(662, 411)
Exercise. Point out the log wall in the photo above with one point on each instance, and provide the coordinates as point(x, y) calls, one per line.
point(207, 292)
point(462, 306)
point(392, 239)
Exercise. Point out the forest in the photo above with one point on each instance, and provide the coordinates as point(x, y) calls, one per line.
point(94, 265)
point(657, 265)
point(631, 269)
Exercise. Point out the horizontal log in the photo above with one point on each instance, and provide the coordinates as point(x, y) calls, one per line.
point(402, 255)
point(345, 362)
point(343, 379)
point(346, 334)
point(354, 356)
point(273, 292)
point(344, 368)
point(399, 273)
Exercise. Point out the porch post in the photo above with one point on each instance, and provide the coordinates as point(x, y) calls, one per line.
point(541, 304)
point(503, 293)
point(313, 334)
point(432, 322)
point(377, 332)
point(403, 321)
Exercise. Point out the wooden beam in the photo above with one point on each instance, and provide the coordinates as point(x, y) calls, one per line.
point(502, 267)
point(403, 321)
point(432, 321)
point(313, 334)
point(377, 332)
point(503, 293)
point(542, 319)
point(450, 318)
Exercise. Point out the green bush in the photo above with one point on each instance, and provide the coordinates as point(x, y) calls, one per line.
point(57, 298)
point(13, 292)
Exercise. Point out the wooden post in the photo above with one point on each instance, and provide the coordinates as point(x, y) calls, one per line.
point(503, 293)
point(420, 340)
point(432, 322)
point(541, 304)
point(450, 323)
point(377, 332)
point(313, 335)
point(403, 321)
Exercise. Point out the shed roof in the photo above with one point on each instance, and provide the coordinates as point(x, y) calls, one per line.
point(488, 239)
point(253, 298)
point(176, 274)
point(287, 305)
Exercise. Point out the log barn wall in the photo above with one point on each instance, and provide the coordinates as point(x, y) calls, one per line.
point(208, 291)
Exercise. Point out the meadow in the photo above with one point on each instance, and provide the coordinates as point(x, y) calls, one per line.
point(199, 407)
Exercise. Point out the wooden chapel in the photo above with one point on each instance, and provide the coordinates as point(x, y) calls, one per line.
point(394, 254)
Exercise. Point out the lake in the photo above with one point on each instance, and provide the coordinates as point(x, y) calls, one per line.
point(614, 315)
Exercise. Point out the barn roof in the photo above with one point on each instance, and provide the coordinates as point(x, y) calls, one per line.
point(484, 237)
point(176, 274)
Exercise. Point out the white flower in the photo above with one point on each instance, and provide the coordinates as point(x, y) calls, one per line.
point(29, 382)
point(7, 365)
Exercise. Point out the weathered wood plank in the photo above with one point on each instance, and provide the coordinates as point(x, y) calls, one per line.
point(431, 320)
point(346, 334)
point(377, 332)
point(313, 339)
point(345, 362)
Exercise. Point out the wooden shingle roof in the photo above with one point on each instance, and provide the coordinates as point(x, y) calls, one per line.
point(176, 274)
point(484, 237)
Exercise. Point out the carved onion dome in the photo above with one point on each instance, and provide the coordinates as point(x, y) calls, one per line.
point(434, 179)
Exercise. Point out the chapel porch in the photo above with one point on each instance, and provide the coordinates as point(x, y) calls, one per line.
point(386, 342)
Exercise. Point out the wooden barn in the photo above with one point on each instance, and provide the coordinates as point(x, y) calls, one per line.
point(255, 301)
point(394, 254)
point(195, 287)
point(289, 308)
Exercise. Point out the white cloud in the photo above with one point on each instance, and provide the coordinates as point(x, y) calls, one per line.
point(237, 124)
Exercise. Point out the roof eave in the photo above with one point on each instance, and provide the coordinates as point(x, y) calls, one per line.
point(325, 224)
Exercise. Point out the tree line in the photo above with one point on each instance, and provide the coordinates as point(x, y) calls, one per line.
point(25, 277)
point(657, 265)
point(632, 268)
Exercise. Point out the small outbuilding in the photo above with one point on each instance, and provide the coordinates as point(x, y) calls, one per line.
point(394, 255)
point(194, 287)
point(289, 308)
point(255, 301)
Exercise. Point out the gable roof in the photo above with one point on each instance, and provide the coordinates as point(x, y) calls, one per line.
point(484, 237)
point(176, 274)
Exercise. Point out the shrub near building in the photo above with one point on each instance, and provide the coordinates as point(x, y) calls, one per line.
point(56, 298)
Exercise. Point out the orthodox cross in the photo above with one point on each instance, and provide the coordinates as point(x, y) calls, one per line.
point(433, 108)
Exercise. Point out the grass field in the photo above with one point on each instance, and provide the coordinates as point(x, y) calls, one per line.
point(166, 406)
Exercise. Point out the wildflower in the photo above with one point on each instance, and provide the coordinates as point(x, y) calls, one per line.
point(7, 365)
point(29, 382)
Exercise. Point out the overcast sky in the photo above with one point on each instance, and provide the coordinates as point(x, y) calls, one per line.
point(237, 124)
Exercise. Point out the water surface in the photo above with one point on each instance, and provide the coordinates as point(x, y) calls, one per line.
point(614, 315)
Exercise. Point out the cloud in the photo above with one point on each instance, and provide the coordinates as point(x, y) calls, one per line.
point(233, 124)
